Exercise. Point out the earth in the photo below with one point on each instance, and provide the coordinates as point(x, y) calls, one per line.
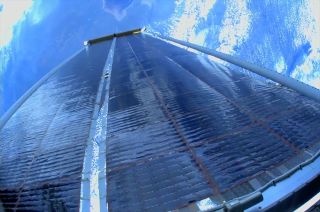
point(282, 36)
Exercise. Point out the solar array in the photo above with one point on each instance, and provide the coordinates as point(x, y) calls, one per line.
point(180, 128)
point(42, 145)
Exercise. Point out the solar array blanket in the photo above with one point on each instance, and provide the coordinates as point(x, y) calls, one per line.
point(43, 144)
point(180, 128)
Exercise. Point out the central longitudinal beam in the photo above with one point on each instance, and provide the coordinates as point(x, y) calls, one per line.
point(93, 184)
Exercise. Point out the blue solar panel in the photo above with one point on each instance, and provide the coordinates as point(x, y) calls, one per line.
point(180, 128)
point(42, 145)
point(168, 102)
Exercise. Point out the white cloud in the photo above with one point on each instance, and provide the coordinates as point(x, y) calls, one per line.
point(309, 31)
point(315, 82)
point(12, 12)
point(116, 10)
point(235, 26)
point(281, 65)
point(149, 3)
point(187, 15)
point(117, 14)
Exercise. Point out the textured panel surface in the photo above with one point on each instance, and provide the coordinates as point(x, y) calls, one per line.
point(182, 128)
point(140, 139)
point(42, 145)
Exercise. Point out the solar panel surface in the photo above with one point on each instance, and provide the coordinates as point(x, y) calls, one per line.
point(181, 128)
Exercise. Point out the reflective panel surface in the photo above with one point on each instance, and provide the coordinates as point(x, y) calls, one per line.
point(42, 145)
point(182, 128)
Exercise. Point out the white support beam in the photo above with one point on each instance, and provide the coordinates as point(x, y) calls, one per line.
point(289, 82)
point(94, 181)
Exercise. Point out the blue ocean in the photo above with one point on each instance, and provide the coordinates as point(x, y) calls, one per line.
point(37, 35)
